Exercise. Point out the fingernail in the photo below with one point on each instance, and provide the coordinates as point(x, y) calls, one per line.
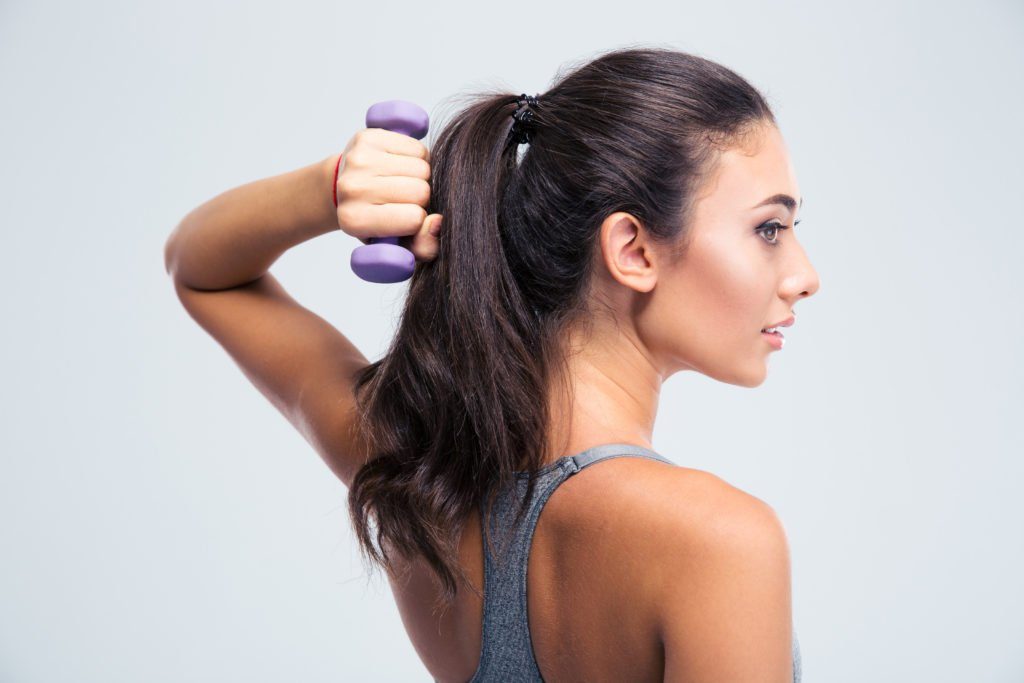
point(435, 230)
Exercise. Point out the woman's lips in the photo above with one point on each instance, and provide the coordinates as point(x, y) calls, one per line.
point(775, 339)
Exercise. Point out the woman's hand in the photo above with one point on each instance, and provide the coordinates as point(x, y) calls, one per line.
point(384, 191)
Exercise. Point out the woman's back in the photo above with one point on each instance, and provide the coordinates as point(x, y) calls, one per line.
point(587, 559)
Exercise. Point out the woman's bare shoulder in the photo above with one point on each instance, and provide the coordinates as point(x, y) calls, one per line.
point(720, 566)
point(657, 503)
point(680, 514)
point(664, 502)
point(693, 493)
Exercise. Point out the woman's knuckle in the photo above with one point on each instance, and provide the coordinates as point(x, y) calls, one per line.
point(347, 186)
point(362, 136)
point(349, 216)
point(420, 215)
point(424, 169)
point(357, 158)
point(424, 192)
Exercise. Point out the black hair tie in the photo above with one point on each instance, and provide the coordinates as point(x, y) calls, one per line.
point(522, 125)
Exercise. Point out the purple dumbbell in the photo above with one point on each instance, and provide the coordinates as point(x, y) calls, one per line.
point(383, 260)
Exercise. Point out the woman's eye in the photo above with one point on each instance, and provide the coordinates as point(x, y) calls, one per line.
point(773, 227)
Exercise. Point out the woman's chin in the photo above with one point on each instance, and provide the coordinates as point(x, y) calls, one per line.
point(749, 376)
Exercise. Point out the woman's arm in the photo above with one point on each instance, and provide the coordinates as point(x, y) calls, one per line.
point(219, 257)
point(234, 238)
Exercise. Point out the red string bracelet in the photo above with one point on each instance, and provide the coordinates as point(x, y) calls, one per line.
point(337, 167)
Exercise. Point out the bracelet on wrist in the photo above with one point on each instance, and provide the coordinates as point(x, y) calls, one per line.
point(337, 167)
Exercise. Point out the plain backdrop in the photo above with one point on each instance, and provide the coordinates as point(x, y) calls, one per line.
point(160, 521)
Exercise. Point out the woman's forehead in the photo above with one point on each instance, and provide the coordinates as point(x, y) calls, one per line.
point(745, 177)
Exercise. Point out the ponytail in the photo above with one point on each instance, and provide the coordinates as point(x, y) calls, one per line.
point(457, 405)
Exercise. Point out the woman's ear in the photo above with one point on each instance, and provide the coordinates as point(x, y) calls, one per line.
point(627, 251)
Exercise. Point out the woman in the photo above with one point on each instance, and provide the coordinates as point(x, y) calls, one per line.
point(646, 228)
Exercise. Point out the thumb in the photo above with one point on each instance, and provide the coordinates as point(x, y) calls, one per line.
point(424, 244)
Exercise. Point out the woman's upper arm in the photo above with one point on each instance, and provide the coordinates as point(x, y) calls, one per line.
point(726, 612)
point(302, 364)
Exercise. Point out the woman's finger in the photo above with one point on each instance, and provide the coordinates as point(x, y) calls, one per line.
point(425, 244)
point(363, 220)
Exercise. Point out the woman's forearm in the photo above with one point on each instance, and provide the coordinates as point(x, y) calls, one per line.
point(234, 238)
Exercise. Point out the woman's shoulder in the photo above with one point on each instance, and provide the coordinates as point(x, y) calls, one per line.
point(683, 519)
point(681, 492)
point(662, 503)
point(717, 550)
point(702, 491)
point(693, 506)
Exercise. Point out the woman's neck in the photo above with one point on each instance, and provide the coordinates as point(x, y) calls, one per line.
point(612, 397)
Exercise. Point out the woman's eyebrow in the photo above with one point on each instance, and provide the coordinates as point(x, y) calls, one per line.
point(783, 199)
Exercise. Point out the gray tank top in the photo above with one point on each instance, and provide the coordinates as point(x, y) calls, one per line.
point(506, 651)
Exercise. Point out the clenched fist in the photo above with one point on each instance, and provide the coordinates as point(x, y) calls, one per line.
point(384, 190)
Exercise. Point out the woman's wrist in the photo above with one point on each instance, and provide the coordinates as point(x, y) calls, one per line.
point(236, 236)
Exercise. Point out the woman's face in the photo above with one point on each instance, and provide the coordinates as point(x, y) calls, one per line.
point(706, 310)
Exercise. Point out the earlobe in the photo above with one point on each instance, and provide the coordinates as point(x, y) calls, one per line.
point(627, 252)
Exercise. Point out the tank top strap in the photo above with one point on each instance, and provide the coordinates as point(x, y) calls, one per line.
point(612, 450)
point(506, 651)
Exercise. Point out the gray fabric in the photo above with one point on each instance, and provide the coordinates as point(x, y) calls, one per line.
point(506, 653)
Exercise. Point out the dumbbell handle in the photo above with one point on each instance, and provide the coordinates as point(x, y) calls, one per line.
point(382, 259)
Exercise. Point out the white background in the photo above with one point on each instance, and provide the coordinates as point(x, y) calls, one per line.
point(160, 521)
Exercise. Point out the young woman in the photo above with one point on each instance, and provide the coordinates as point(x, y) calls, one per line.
point(646, 228)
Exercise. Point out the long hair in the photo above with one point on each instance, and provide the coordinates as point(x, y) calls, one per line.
point(459, 403)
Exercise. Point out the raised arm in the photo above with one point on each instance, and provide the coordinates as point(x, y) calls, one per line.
point(218, 258)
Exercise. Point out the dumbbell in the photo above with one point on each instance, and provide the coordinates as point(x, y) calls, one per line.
point(382, 259)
